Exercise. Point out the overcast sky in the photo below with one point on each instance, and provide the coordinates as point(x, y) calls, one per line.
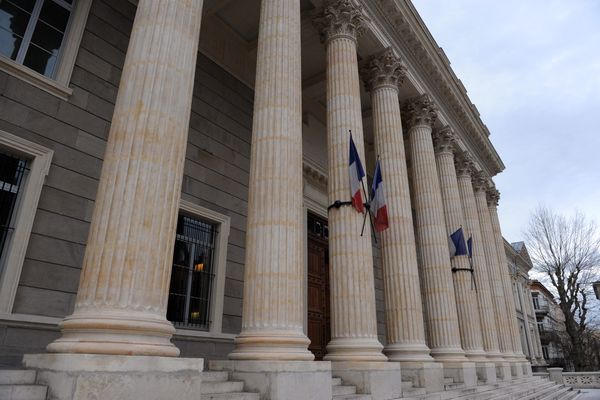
point(532, 68)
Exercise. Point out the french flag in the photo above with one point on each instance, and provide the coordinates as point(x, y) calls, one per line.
point(356, 174)
point(378, 204)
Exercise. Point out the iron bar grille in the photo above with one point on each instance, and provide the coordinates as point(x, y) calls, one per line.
point(193, 274)
point(13, 171)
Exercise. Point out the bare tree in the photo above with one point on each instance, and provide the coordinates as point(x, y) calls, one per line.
point(567, 252)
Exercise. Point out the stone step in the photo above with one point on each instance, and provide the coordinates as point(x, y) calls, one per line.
point(221, 387)
point(336, 381)
point(454, 386)
point(230, 396)
point(353, 397)
point(572, 395)
point(413, 392)
point(17, 377)
point(23, 392)
point(448, 380)
point(406, 385)
point(557, 394)
point(215, 376)
point(343, 390)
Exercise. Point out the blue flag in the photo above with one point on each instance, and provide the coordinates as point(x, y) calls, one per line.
point(457, 244)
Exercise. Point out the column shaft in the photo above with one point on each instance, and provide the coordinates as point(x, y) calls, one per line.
point(464, 289)
point(507, 283)
point(495, 279)
point(484, 298)
point(403, 308)
point(438, 292)
point(123, 292)
point(272, 319)
point(353, 319)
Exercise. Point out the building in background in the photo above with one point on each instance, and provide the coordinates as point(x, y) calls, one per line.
point(550, 323)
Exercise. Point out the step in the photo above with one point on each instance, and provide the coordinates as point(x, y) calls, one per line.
point(453, 386)
point(215, 376)
point(406, 385)
point(221, 387)
point(336, 381)
point(23, 392)
point(352, 397)
point(17, 377)
point(343, 390)
point(557, 394)
point(413, 392)
point(448, 380)
point(230, 396)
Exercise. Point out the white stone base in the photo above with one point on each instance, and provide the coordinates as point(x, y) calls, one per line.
point(381, 380)
point(107, 377)
point(503, 371)
point(426, 375)
point(275, 380)
point(486, 372)
point(461, 372)
point(527, 371)
point(516, 369)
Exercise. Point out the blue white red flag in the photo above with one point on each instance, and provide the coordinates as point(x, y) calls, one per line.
point(378, 203)
point(457, 244)
point(356, 174)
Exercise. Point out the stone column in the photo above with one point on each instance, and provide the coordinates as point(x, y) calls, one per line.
point(122, 297)
point(495, 280)
point(517, 349)
point(403, 310)
point(436, 274)
point(464, 167)
point(353, 319)
point(273, 312)
point(464, 289)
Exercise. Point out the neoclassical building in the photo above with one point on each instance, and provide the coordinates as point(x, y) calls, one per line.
point(169, 175)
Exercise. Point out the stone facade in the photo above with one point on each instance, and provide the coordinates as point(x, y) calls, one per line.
point(267, 143)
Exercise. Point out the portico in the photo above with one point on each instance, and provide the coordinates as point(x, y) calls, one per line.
point(308, 96)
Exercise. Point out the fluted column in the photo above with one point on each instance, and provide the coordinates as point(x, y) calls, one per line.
point(273, 313)
point(513, 325)
point(403, 310)
point(466, 300)
point(353, 319)
point(123, 292)
point(464, 168)
point(495, 277)
point(438, 291)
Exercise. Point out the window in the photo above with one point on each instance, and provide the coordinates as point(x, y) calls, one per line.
point(193, 273)
point(32, 32)
point(13, 171)
point(545, 352)
point(536, 301)
point(23, 168)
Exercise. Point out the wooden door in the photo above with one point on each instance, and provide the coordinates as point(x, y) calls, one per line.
point(319, 325)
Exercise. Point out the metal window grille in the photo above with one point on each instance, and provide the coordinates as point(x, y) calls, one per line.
point(13, 171)
point(32, 32)
point(193, 273)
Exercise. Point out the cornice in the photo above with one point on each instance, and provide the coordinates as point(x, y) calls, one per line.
point(408, 33)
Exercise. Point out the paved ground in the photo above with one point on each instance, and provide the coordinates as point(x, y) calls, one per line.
point(589, 394)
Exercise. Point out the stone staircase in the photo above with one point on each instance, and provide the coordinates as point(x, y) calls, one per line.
point(345, 392)
point(20, 385)
point(527, 388)
point(217, 386)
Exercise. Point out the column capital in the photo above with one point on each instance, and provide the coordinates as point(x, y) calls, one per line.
point(383, 70)
point(465, 166)
point(493, 196)
point(420, 111)
point(444, 140)
point(480, 182)
point(340, 18)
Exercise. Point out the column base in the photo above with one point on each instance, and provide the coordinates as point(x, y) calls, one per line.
point(380, 380)
point(527, 369)
point(503, 371)
point(461, 372)
point(116, 333)
point(486, 372)
point(407, 353)
point(354, 349)
point(426, 375)
point(293, 380)
point(103, 377)
point(516, 369)
point(272, 345)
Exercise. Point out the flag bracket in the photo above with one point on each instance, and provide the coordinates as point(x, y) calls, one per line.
point(338, 204)
point(472, 271)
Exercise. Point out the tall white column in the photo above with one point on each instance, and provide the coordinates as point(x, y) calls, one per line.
point(403, 310)
point(438, 290)
point(353, 319)
point(495, 275)
point(123, 292)
point(513, 325)
point(273, 312)
point(464, 168)
point(464, 288)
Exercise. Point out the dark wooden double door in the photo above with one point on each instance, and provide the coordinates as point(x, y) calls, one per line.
point(319, 323)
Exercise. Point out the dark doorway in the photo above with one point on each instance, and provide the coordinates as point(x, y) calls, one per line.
point(319, 324)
